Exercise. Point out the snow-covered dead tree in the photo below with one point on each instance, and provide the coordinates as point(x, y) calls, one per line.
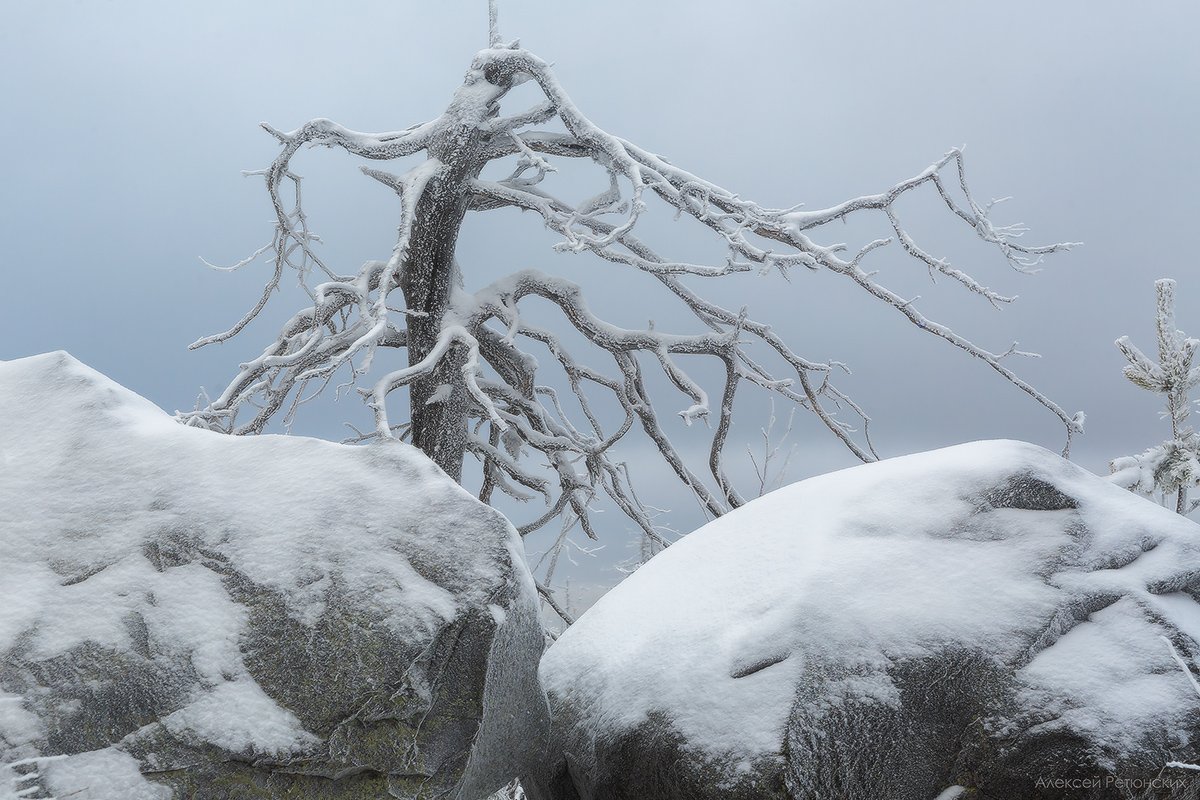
point(474, 388)
point(1169, 469)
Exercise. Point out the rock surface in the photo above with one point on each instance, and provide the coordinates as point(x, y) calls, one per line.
point(988, 617)
point(192, 615)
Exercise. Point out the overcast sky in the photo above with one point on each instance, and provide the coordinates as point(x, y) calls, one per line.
point(127, 124)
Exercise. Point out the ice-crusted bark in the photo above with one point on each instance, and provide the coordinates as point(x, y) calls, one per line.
point(474, 387)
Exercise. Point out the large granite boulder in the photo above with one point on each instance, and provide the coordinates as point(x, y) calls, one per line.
point(984, 621)
point(185, 614)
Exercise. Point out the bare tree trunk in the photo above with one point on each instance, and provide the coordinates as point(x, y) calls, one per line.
point(429, 276)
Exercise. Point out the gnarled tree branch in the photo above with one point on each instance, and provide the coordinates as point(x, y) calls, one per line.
point(475, 388)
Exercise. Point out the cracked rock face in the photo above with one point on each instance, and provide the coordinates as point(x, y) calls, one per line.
point(185, 614)
point(988, 616)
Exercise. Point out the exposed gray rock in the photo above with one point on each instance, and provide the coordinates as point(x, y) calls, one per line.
point(191, 615)
point(988, 616)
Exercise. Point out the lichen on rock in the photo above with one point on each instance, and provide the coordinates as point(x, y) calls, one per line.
point(189, 614)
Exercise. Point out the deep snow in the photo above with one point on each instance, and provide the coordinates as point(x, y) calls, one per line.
point(872, 565)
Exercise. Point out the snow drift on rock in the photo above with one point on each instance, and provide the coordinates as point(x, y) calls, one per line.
point(783, 620)
point(275, 609)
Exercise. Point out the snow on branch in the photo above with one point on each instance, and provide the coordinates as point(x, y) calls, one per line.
point(1187, 670)
point(471, 370)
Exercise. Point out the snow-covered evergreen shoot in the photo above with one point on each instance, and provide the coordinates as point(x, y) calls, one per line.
point(1170, 469)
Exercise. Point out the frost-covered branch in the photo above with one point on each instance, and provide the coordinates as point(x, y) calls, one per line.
point(1186, 669)
point(767, 470)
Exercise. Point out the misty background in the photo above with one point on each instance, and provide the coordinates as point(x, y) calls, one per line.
point(127, 124)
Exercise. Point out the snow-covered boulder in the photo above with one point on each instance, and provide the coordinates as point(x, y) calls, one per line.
point(987, 616)
point(192, 615)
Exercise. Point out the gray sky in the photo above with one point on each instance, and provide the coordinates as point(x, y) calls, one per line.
point(127, 124)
